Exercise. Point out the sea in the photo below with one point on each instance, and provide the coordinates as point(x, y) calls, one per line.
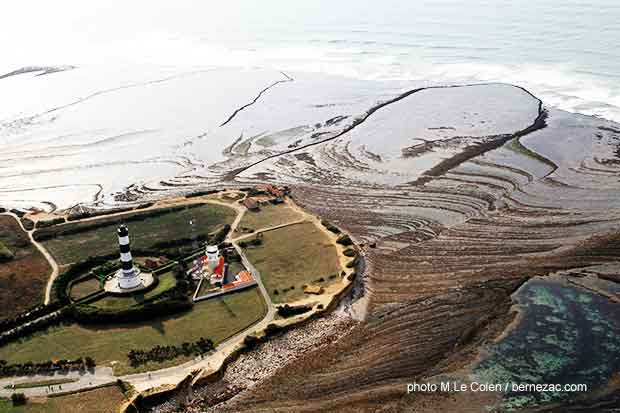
point(564, 51)
point(97, 97)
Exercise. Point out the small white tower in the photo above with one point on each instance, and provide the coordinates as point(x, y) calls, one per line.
point(213, 257)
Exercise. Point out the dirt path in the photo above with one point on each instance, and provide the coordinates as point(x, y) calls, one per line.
point(47, 255)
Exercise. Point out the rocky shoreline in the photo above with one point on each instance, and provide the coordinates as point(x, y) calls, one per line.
point(256, 366)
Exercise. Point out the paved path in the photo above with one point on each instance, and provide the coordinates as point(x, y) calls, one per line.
point(101, 375)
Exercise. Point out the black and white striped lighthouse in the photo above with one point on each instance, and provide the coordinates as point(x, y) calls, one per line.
point(130, 275)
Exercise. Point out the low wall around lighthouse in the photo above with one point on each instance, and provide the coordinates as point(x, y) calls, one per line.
point(128, 278)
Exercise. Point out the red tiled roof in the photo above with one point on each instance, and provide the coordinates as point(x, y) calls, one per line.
point(219, 270)
point(244, 276)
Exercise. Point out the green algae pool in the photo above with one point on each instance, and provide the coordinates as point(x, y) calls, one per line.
point(567, 335)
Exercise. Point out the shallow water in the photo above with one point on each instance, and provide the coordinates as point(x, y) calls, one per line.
point(566, 335)
point(564, 51)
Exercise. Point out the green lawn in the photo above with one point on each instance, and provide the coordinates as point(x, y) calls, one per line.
point(216, 319)
point(293, 256)
point(102, 400)
point(269, 216)
point(235, 267)
point(84, 288)
point(166, 282)
point(144, 233)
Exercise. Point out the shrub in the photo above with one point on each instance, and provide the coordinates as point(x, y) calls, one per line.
point(330, 227)
point(197, 194)
point(18, 212)
point(163, 353)
point(352, 263)
point(349, 252)
point(18, 399)
point(219, 236)
point(251, 341)
point(276, 292)
point(5, 253)
point(28, 224)
point(272, 329)
point(50, 222)
point(345, 240)
point(45, 367)
point(289, 311)
point(320, 307)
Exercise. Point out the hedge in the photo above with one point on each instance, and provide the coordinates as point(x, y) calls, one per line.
point(290, 311)
point(330, 227)
point(345, 240)
point(61, 283)
point(30, 368)
point(28, 315)
point(49, 222)
point(41, 323)
point(163, 353)
point(88, 314)
point(202, 193)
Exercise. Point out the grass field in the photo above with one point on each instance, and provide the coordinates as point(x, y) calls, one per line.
point(41, 383)
point(293, 256)
point(166, 282)
point(23, 278)
point(235, 267)
point(216, 319)
point(84, 288)
point(102, 400)
point(269, 216)
point(144, 233)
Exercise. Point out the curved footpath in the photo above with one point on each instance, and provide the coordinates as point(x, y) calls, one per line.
point(167, 376)
point(47, 255)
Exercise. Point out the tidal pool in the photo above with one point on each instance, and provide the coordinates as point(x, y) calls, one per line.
point(566, 335)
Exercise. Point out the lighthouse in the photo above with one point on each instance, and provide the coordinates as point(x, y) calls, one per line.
point(213, 257)
point(129, 275)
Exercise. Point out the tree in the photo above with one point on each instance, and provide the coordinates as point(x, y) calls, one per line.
point(18, 399)
point(89, 362)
